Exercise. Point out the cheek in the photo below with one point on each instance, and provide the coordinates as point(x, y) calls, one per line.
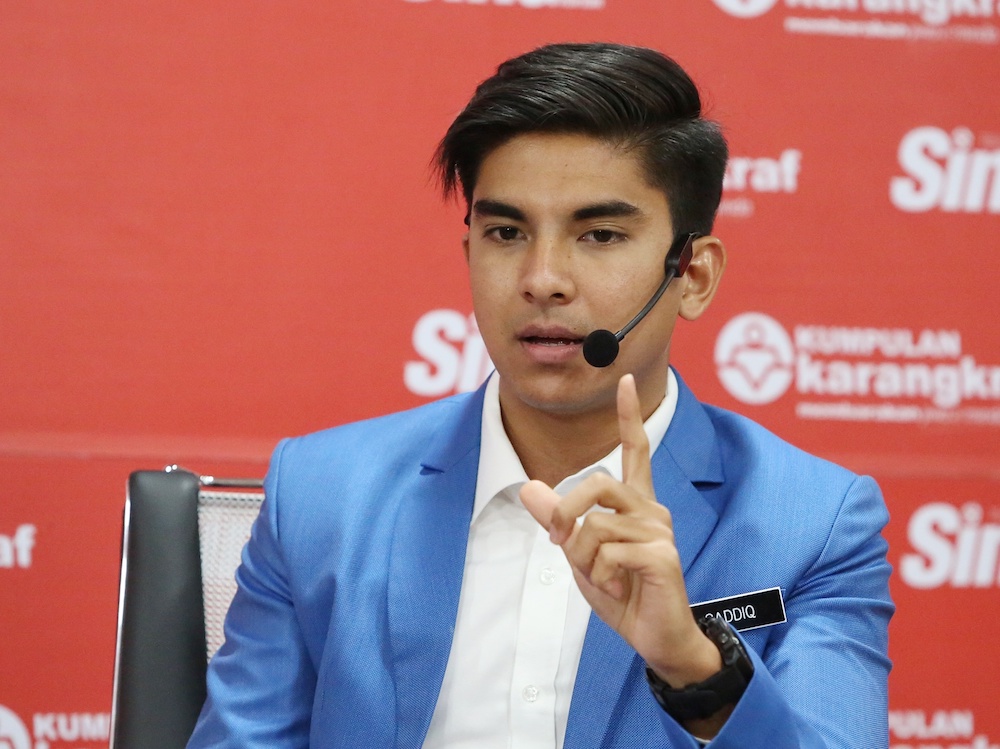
point(622, 291)
point(483, 291)
point(491, 281)
point(488, 299)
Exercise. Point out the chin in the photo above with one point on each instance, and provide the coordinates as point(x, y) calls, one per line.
point(563, 396)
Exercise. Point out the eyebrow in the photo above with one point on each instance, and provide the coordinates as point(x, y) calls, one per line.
point(487, 207)
point(607, 209)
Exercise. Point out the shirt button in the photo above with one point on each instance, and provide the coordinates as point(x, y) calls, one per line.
point(547, 576)
point(530, 693)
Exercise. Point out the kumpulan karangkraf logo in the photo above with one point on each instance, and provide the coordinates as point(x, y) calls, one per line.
point(913, 20)
point(842, 373)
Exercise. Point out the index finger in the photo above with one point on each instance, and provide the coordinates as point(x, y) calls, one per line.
point(636, 471)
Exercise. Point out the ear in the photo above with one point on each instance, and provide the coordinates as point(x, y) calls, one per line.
point(708, 260)
point(465, 247)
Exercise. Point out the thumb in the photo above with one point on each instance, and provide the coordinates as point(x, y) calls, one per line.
point(540, 501)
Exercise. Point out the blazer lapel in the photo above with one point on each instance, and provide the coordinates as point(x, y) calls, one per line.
point(426, 565)
point(686, 460)
point(687, 457)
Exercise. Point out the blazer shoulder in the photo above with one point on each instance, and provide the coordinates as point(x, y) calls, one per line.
point(753, 456)
point(812, 512)
point(408, 429)
point(382, 444)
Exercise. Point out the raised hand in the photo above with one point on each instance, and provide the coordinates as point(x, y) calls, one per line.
point(626, 563)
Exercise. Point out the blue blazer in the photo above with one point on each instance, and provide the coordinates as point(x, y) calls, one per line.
point(341, 628)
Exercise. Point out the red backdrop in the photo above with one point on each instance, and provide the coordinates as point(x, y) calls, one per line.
point(218, 228)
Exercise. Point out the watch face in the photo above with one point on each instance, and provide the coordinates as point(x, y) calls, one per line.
point(727, 641)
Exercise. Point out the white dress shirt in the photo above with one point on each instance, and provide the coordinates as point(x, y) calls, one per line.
point(521, 618)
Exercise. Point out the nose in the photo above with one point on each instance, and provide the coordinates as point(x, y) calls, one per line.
point(546, 273)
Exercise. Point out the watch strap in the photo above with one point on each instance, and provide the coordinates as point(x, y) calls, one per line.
point(704, 699)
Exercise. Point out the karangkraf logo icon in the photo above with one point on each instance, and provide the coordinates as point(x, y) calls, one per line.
point(746, 8)
point(754, 358)
point(13, 733)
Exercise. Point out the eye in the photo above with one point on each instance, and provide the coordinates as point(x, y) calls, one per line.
point(504, 233)
point(603, 236)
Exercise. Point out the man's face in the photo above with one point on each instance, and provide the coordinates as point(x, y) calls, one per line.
point(566, 236)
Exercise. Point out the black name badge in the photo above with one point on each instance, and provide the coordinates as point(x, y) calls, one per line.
point(761, 608)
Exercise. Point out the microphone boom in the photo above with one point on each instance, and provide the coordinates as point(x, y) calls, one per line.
point(600, 348)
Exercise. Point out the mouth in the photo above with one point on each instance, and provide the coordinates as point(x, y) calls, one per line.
point(551, 340)
point(550, 344)
point(549, 335)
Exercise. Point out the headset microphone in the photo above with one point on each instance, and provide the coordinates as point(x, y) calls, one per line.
point(600, 348)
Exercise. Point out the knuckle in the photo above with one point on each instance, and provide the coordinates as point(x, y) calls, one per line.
point(667, 551)
point(604, 559)
point(599, 522)
point(652, 528)
point(662, 514)
point(663, 533)
point(602, 481)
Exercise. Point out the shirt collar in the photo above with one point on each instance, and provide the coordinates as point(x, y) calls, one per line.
point(501, 472)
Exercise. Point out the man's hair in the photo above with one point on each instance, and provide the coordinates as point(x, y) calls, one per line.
point(629, 97)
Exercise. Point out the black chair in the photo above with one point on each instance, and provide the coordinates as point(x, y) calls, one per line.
point(181, 539)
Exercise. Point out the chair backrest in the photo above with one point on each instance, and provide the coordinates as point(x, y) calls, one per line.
point(181, 542)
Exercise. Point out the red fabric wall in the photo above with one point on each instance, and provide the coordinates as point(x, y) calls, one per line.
point(217, 228)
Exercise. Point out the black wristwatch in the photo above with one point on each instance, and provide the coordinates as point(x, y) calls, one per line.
point(698, 701)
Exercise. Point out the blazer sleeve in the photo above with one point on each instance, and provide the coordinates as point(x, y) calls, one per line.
point(262, 681)
point(822, 683)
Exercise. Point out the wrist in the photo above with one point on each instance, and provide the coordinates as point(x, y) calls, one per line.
point(698, 662)
point(717, 693)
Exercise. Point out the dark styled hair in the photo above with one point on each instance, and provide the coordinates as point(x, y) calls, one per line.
point(629, 97)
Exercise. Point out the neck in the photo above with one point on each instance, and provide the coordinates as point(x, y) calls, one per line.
point(553, 446)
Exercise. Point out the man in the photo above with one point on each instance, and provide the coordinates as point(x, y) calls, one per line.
point(516, 567)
